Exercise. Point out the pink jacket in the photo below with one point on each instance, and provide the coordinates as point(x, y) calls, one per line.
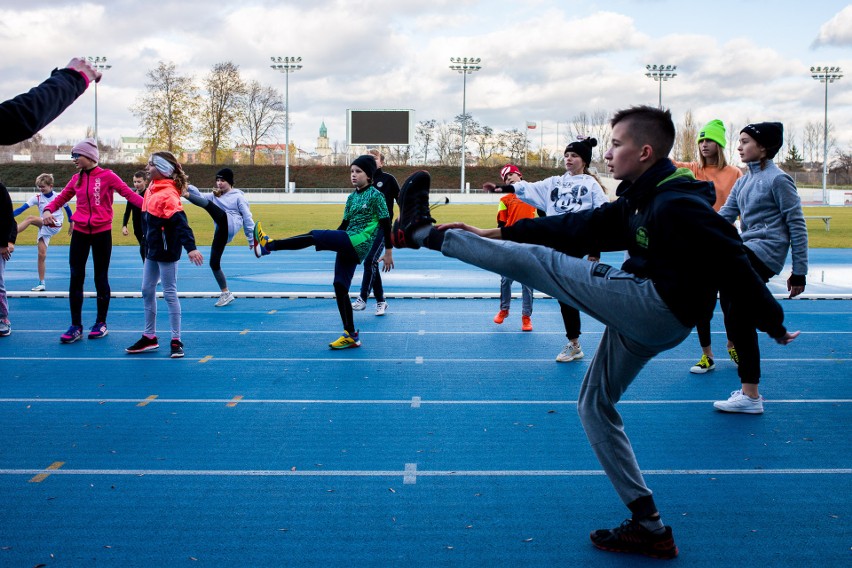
point(94, 199)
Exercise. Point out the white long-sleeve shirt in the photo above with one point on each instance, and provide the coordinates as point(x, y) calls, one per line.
point(235, 204)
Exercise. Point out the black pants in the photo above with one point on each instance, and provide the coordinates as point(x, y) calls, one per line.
point(372, 279)
point(741, 329)
point(344, 265)
point(100, 245)
point(571, 320)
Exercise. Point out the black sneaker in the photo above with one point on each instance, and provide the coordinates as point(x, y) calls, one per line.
point(177, 349)
point(143, 345)
point(413, 210)
point(631, 536)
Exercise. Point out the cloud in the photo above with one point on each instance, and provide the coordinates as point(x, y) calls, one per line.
point(838, 30)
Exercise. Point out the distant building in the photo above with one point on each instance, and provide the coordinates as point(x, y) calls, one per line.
point(133, 149)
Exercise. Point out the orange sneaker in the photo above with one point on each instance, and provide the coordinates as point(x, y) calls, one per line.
point(526, 323)
point(501, 315)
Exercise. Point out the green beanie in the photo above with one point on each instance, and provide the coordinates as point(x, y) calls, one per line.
point(713, 130)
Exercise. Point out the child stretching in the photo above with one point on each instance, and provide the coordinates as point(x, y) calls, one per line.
point(134, 214)
point(574, 191)
point(166, 229)
point(44, 183)
point(365, 212)
point(230, 211)
point(93, 187)
point(511, 209)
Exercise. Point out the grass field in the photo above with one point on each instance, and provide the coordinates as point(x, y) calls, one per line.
point(287, 220)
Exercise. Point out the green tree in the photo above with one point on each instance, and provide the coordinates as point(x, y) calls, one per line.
point(166, 109)
point(793, 161)
point(220, 105)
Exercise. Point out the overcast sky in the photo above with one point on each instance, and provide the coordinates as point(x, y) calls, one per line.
point(542, 60)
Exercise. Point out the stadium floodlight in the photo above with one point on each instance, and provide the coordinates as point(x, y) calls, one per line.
point(286, 65)
point(825, 75)
point(661, 73)
point(99, 63)
point(465, 66)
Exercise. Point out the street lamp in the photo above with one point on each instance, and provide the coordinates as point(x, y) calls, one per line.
point(661, 73)
point(465, 66)
point(99, 63)
point(286, 65)
point(825, 75)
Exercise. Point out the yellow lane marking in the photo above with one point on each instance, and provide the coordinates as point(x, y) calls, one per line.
point(42, 476)
point(243, 332)
point(147, 401)
point(234, 401)
point(270, 312)
point(205, 358)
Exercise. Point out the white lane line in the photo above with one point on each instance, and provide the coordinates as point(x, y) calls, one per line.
point(411, 473)
point(418, 360)
point(410, 476)
point(414, 402)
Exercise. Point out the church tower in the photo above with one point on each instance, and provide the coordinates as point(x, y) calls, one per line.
point(323, 148)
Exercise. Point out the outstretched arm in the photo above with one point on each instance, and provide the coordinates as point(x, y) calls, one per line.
point(485, 233)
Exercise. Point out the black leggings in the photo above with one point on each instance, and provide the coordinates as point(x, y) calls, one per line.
point(344, 265)
point(742, 330)
point(100, 244)
point(220, 234)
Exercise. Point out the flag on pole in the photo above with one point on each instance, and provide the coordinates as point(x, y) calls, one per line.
point(531, 125)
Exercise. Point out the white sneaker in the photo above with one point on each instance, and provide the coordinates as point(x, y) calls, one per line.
point(570, 353)
point(39, 288)
point(740, 403)
point(359, 305)
point(225, 299)
point(381, 308)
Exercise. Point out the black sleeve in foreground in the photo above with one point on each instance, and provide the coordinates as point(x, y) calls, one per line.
point(23, 116)
point(385, 225)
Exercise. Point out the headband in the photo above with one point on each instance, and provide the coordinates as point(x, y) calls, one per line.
point(163, 165)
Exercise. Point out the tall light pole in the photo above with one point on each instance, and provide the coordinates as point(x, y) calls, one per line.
point(465, 66)
point(661, 73)
point(286, 65)
point(99, 63)
point(825, 75)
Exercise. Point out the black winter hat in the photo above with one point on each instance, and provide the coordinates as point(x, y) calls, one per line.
point(582, 148)
point(226, 174)
point(367, 163)
point(770, 135)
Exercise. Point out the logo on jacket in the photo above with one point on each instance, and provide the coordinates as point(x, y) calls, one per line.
point(642, 237)
point(97, 191)
point(571, 200)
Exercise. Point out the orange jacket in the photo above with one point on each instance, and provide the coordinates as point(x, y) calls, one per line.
point(723, 180)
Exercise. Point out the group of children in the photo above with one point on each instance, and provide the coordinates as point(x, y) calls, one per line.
point(663, 217)
point(159, 225)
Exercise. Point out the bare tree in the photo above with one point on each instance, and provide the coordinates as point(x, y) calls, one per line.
point(486, 143)
point(167, 108)
point(733, 137)
point(600, 129)
point(811, 142)
point(261, 112)
point(447, 143)
point(425, 135)
point(515, 144)
point(223, 88)
point(685, 147)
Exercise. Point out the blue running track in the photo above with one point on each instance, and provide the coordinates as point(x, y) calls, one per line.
point(445, 440)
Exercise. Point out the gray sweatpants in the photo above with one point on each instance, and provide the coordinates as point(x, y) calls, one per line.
point(166, 272)
point(638, 323)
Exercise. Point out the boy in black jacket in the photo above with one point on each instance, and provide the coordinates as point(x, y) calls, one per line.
point(664, 219)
